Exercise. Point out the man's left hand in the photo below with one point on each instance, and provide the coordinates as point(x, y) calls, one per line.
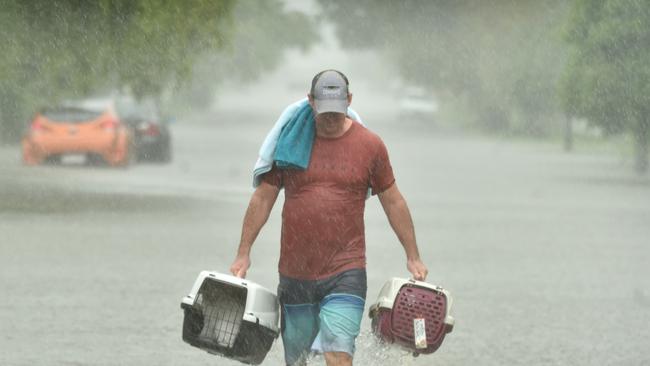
point(417, 269)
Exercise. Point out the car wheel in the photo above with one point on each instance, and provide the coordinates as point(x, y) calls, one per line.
point(95, 160)
point(53, 160)
point(166, 154)
point(163, 154)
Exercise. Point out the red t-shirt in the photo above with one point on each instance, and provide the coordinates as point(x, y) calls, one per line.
point(322, 217)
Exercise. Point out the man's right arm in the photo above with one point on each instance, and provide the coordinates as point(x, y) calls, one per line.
point(259, 209)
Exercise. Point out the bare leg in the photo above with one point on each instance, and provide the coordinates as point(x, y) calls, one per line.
point(301, 362)
point(338, 359)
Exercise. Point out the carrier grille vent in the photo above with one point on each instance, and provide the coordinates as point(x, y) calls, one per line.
point(413, 302)
point(223, 310)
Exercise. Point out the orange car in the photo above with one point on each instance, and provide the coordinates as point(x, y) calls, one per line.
point(78, 133)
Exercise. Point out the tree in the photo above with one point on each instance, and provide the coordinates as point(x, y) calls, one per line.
point(607, 78)
point(67, 48)
point(498, 61)
point(262, 32)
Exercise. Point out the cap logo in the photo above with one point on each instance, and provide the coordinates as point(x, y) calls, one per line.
point(332, 90)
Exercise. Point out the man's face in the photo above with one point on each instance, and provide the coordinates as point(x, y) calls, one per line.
point(330, 122)
point(330, 117)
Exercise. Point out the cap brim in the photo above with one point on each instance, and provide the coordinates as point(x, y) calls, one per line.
point(332, 105)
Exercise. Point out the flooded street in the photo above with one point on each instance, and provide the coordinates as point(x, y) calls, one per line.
point(545, 253)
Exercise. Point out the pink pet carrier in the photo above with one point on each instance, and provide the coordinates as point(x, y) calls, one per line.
point(412, 314)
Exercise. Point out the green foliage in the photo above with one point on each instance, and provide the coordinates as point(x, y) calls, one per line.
point(607, 78)
point(68, 48)
point(496, 60)
point(260, 35)
point(164, 39)
point(64, 48)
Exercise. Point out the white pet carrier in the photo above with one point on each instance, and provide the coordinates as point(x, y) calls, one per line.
point(230, 316)
point(412, 314)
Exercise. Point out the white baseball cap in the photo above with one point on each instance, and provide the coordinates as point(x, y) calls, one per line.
point(330, 92)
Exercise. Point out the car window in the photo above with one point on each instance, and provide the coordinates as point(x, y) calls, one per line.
point(133, 110)
point(70, 115)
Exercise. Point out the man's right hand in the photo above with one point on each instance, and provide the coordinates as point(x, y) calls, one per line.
point(240, 266)
point(258, 211)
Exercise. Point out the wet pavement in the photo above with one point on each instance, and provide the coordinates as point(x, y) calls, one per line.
point(545, 253)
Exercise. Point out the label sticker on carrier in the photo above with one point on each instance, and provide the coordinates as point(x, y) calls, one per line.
point(419, 333)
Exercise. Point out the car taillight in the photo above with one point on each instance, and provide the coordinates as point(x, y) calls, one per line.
point(37, 127)
point(109, 125)
point(149, 129)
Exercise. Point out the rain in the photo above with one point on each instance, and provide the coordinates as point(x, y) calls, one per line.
point(518, 134)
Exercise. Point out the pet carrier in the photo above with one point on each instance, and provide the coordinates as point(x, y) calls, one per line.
point(230, 316)
point(412, 314)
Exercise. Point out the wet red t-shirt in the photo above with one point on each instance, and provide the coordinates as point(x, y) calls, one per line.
point(322, 217)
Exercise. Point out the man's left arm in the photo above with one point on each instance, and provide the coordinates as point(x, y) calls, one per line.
point(400, 220)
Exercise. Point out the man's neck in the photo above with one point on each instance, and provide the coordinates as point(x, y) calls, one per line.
point(332, 127)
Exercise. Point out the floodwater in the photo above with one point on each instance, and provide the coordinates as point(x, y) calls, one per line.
point(545, 253)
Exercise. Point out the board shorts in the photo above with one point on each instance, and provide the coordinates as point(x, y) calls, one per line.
point(321, 315)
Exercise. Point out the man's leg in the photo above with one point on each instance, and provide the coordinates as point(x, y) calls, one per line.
point(299, 328)
point(338, 359)
point(341, 311)
point(340, 323)
point(299, 318)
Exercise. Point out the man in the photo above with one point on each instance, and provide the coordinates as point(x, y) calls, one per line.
point(322, 285)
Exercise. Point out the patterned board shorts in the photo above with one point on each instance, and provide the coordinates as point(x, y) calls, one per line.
point(321, 315)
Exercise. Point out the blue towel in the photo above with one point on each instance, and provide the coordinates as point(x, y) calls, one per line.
point(267, 152)
point(264, 161)
point(296, 139)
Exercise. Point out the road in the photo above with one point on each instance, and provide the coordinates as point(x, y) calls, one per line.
point(545, 253)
